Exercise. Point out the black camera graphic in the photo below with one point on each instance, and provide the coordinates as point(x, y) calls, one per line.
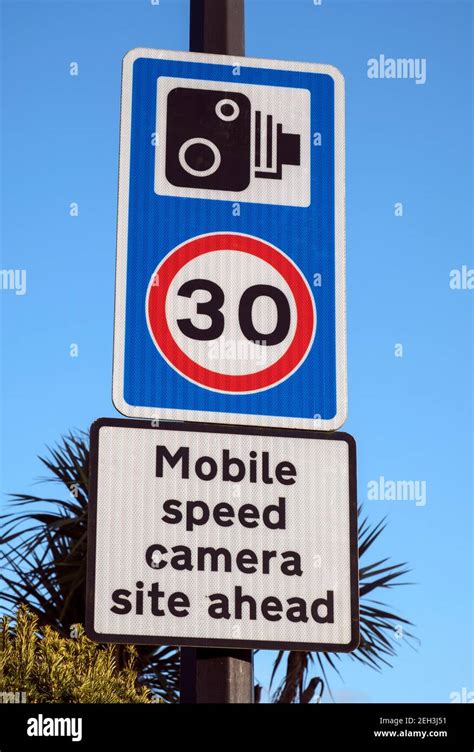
point(209, 139)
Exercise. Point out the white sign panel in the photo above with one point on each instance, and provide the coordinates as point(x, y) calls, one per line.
point(222, 536)
point(266, 109)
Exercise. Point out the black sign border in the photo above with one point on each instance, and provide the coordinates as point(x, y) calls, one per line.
point(212, 642)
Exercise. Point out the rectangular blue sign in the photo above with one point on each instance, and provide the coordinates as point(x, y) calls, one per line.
point(230, 289)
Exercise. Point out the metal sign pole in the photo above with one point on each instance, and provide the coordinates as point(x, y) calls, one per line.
point(216, 675)
point(217, 26)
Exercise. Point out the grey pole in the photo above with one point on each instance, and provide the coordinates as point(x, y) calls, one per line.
point(217, 26)
point(211, 675)
point(216, 675)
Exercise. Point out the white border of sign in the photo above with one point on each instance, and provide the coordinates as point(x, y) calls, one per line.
point(122, 237)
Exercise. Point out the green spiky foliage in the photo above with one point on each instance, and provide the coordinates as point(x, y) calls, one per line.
point(50, 668)
point(44, 543)
point(380, 628)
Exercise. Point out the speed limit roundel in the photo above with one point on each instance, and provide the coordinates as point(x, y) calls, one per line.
point(231, 313)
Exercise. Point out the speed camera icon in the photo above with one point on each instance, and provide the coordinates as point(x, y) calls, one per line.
point(226, 141)
point(209, 141)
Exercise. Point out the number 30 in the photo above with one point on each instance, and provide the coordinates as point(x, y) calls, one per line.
point(212, 309)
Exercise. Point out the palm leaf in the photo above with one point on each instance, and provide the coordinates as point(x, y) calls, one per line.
point(44, 543)
point(44, 551)
point(377, 625)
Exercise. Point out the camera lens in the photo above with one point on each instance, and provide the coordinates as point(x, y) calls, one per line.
point(208, 139)
point(199, 157)
point(227, 110)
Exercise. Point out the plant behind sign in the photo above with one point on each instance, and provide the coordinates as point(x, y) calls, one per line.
point(45, 551)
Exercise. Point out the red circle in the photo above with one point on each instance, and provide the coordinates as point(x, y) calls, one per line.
point(156, 302)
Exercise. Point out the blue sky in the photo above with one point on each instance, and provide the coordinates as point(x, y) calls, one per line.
point(409, 143)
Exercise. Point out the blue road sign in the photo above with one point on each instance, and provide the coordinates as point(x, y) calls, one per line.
point(230, 290)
